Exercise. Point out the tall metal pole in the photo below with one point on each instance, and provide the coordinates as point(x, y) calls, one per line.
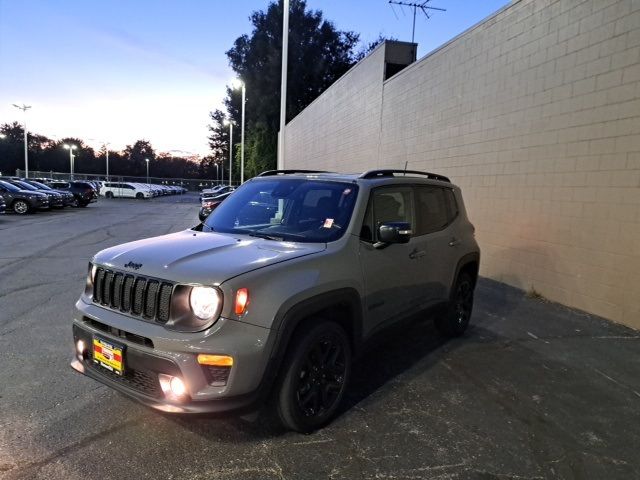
point(283, 82)
point(24, 109)
point(413, 31)
point(230, 150)
point(147, 160)
point(106, 146)
point(242, 138)
point(71, 162)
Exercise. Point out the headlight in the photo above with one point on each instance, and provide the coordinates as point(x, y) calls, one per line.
point(205, 302)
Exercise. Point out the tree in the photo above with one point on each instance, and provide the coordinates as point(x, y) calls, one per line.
point(319, 54)
point(136, 156)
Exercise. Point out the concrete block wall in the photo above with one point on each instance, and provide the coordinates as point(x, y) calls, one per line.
point(535, 113)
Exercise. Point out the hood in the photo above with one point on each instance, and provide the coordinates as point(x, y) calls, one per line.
point(200, 257)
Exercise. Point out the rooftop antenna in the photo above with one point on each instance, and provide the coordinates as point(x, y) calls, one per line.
point(424, 8)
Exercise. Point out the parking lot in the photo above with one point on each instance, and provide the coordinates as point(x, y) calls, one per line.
point(533, 390)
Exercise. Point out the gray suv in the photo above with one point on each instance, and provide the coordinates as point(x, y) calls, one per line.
point(276, 293)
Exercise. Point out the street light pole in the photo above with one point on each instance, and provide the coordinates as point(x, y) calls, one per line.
point(283, 82)
point(106, 147)
point(237, 83)
point(147, 160)
point(24, 109)
point(71, 148)
point(230, 123)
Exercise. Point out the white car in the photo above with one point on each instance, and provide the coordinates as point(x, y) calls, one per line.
point(125, 190)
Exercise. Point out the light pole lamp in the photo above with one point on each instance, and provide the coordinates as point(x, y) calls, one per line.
point(71, 148)
point(24, 109)
point(230, 123)
point(237, 83)
point(147, 161)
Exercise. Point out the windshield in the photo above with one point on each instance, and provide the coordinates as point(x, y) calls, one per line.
point(39, 185)
point(9, 186)
point(295, 210)
point(24, 186)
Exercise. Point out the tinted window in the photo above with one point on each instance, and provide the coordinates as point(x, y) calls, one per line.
point(452, 204)
point(431, 210)
point(392, 204)
point(9, 187)
point(81, 184)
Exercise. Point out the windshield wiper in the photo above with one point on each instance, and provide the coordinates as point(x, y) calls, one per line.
point(266, 235)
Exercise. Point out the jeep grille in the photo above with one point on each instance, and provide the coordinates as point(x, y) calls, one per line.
point(139, 296)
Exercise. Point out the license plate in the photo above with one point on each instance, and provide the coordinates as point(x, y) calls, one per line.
point(108, 355)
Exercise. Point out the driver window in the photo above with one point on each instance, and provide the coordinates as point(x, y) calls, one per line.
point(388, 204)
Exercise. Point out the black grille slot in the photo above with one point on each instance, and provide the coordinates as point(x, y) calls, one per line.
point(164, 302)
point(97, 285)
point(150, 300)
point(137, 295)
point(107, 288)
point(143, 381)
point(126, 293)
point(116, 299)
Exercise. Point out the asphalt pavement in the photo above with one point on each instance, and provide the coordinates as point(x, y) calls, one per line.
point(533, 390)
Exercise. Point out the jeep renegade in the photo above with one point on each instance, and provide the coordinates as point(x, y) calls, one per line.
point(276, 292)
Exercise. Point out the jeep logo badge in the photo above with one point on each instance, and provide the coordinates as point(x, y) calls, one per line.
point(132, 265)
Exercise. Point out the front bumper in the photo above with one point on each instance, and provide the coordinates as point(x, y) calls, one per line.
point(150, 350)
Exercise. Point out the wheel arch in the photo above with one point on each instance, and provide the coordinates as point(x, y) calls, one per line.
point(469, 263)
point(344, 307)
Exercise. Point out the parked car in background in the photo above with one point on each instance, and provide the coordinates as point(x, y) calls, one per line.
point(125, 190)
point(83, 192)
point(56, 200)
point(22, 201)
point(68, 198)
point(220, 189)
point(210, 204)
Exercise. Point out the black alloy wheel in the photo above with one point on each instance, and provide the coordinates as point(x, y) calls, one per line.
point(316, 375)
point(456, 320)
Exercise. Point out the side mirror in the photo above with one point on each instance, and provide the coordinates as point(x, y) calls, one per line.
point(393, 232)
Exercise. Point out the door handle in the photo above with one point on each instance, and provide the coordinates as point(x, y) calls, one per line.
point(453, 242)
point(417, 254)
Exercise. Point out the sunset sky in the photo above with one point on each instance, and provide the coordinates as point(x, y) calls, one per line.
point(122, 70)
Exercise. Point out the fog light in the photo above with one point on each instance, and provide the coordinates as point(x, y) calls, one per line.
point(81, 348)
point(172, 387)
point(177, 387)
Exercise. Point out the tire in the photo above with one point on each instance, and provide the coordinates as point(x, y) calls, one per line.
point(83, 204)
point(109, 194)
point(21, 207)
point(455, 320)
point(316, 372)
point(140, 196)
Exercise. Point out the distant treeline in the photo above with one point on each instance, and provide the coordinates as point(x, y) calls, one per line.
point(46, 154)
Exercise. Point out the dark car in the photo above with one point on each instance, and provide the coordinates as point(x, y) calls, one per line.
point(3, 205)
point(56, 200)
point(67, 197)
point(210, 204)
point(83, 192)
point(214, 192)
point(22, 201)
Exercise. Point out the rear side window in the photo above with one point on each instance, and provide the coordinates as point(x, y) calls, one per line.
point(432, 212)
point(452, 204)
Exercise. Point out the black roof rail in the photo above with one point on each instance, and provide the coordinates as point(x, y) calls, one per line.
point(390, 172)
point(269, 173)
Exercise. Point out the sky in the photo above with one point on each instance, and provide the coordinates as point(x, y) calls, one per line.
point(121, 70)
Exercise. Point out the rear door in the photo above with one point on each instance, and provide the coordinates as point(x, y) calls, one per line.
point(435, 242)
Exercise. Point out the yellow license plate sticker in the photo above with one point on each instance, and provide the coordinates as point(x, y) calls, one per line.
point(108, 355)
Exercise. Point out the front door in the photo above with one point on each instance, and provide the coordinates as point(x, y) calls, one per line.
point(391, 290)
